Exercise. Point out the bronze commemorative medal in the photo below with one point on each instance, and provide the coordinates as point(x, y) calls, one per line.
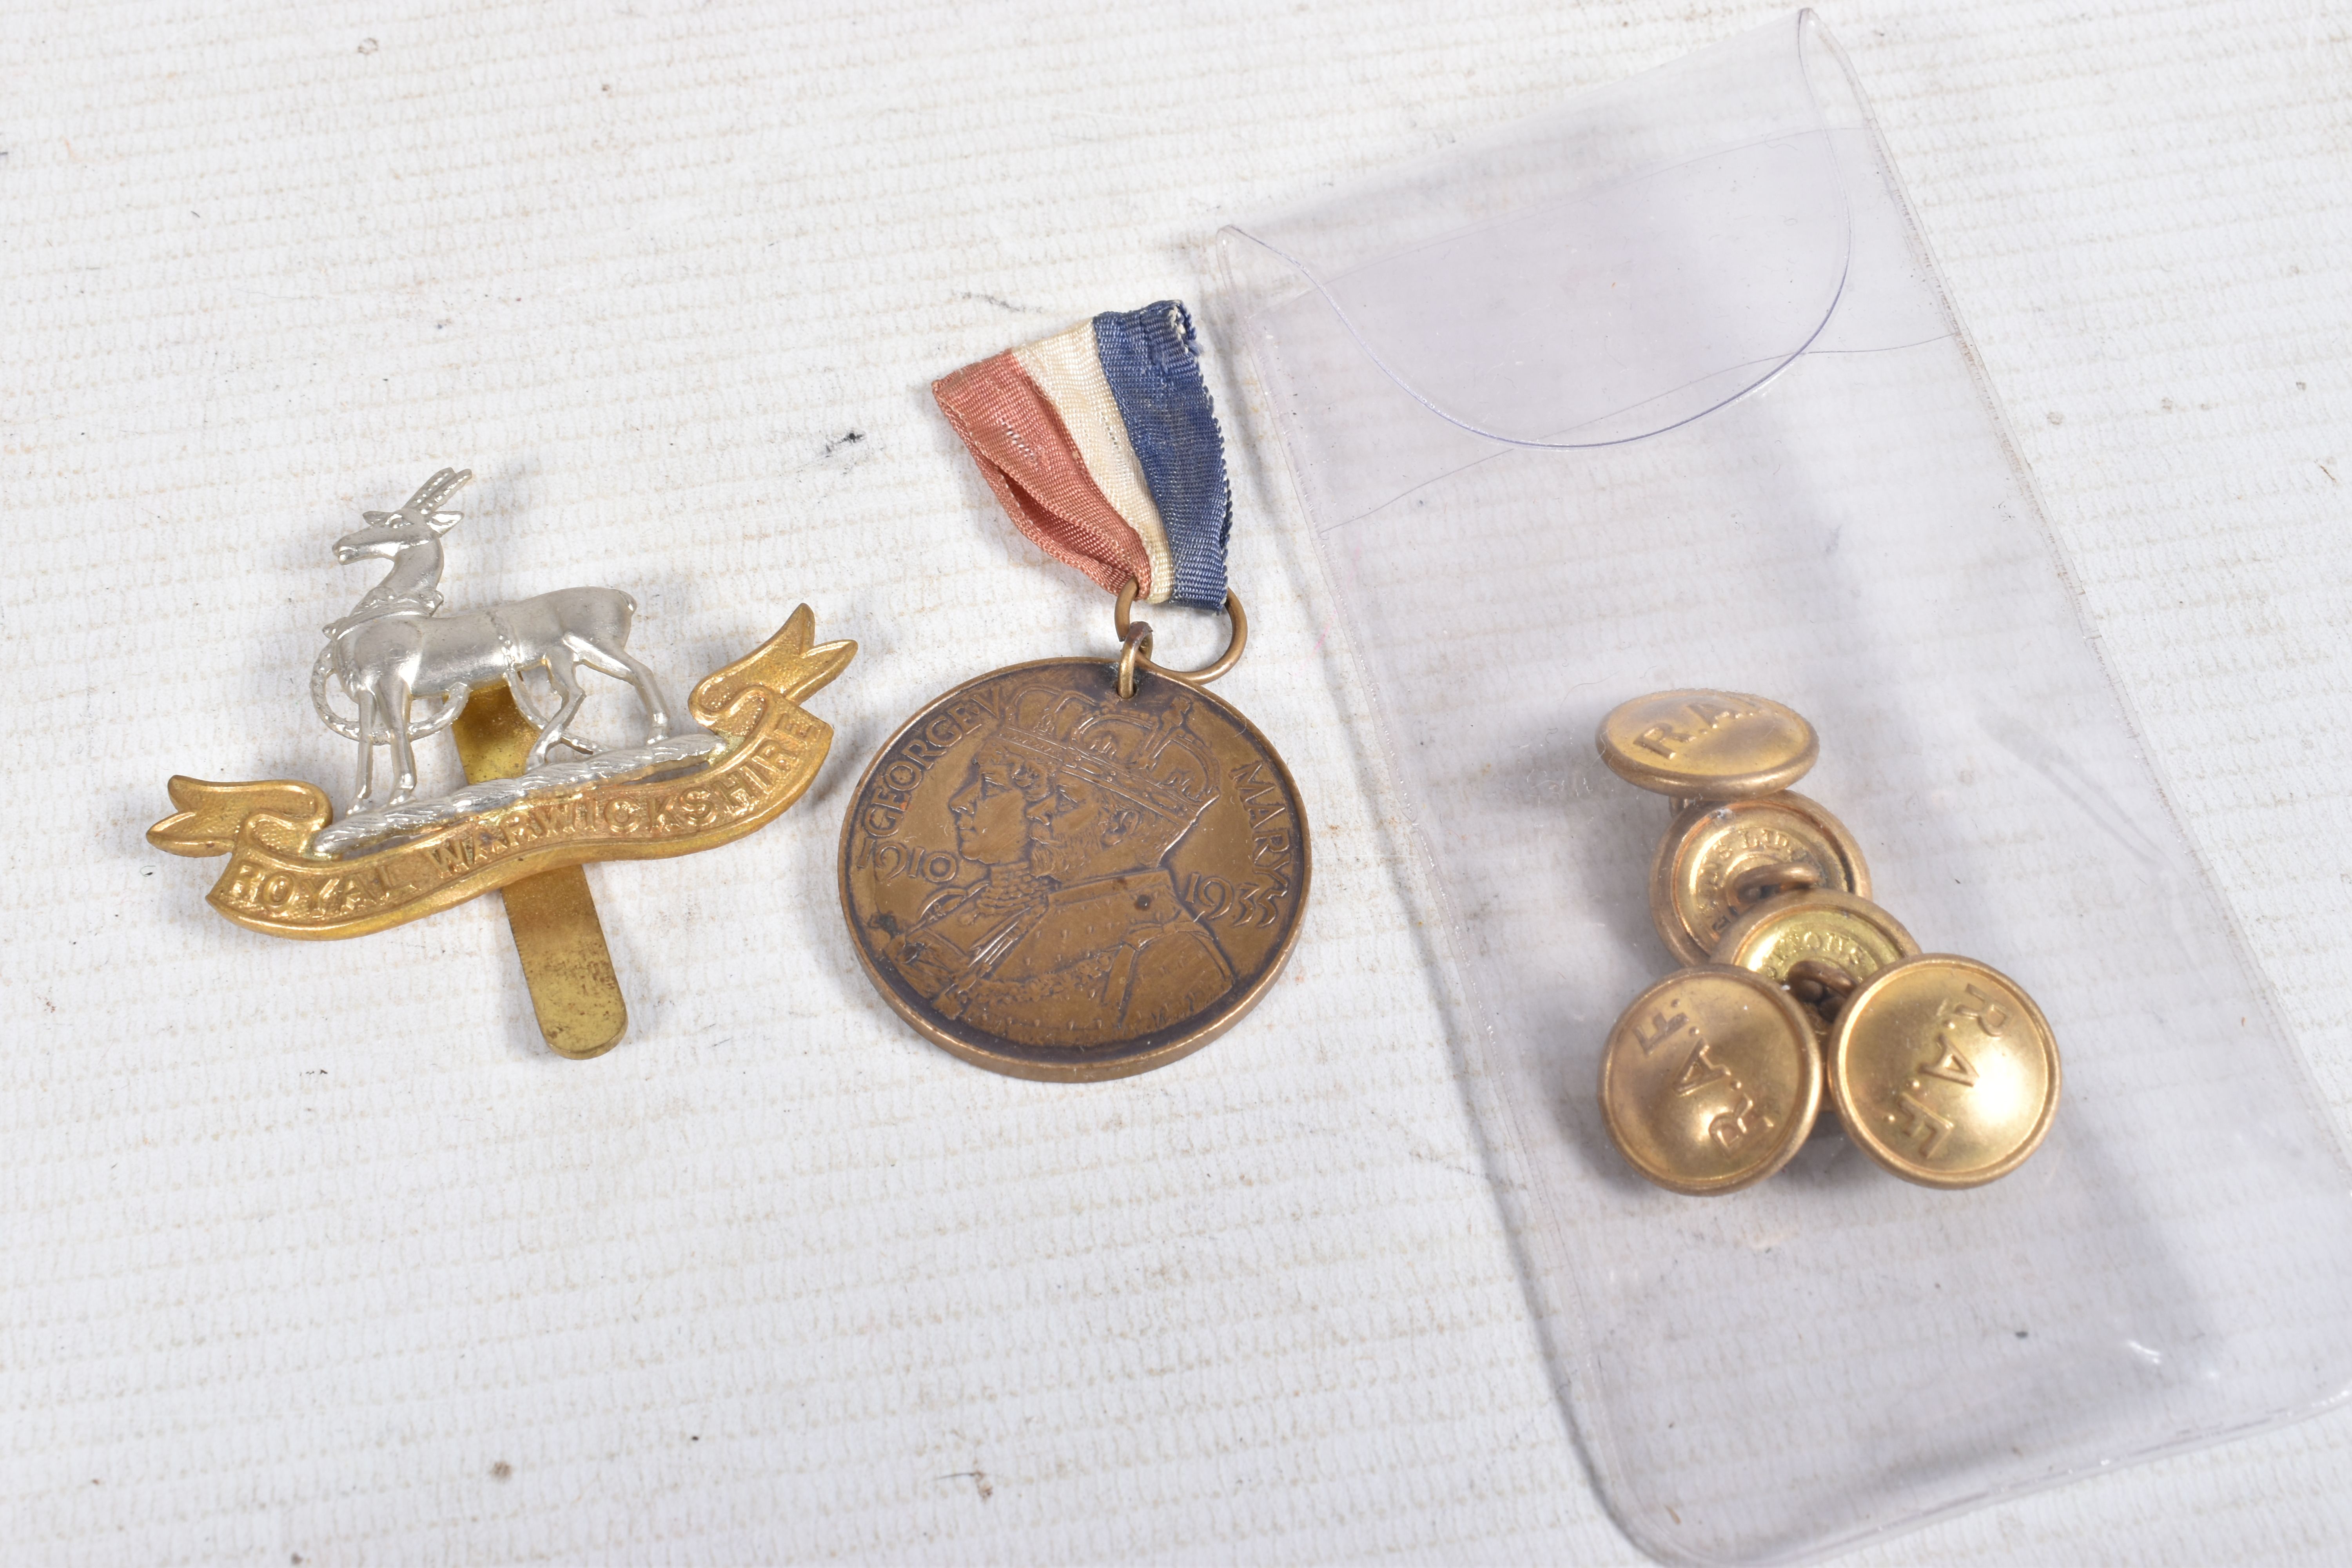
point(1056, 881)
point(1943, 1071)
point(1711, 1080)
point(1707, 745)
point(1080, 868)
point(1719, 858)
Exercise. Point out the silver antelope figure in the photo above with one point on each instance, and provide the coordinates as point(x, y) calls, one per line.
point(395, 645)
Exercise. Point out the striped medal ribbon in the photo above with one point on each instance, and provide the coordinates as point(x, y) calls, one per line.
point(1103, 445)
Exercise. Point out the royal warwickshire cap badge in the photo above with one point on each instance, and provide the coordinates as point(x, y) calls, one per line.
point(539, 801)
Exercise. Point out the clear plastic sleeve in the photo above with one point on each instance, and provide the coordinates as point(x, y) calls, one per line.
point(1663, 391)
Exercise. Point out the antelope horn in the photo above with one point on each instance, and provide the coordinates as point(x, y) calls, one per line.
point(436, 490)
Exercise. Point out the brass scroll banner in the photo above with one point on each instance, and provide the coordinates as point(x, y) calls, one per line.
point(275, 885)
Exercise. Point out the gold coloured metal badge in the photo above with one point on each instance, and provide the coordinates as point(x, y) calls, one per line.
point(1721, 857)
point(1943, 1071)
point(743, 751)
point(1707, 745)
point(1940, 1068)
point(1838, 928)
point(1710, 1081)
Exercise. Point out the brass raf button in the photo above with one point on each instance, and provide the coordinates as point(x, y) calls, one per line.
point(1943, 1071)
point(1707, 745)
point(1710, 1081)
point(1840, 930)
point(1720, 858)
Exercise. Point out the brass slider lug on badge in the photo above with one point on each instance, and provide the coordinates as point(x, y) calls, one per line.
point(1943, 1071)
point(1707, 745)
point(551, 915)
point(1710, 1081)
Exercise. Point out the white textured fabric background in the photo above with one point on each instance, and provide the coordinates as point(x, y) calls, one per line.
point(313, 1254)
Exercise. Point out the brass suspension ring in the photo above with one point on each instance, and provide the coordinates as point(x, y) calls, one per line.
point(1134, 649)
point(1141, 657)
